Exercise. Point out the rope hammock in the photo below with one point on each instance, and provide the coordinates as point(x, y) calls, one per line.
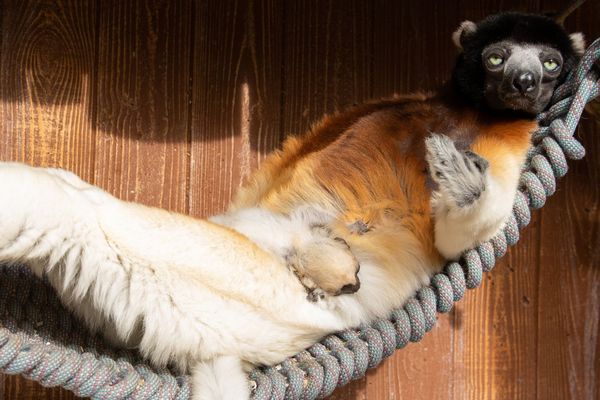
point(42, 341)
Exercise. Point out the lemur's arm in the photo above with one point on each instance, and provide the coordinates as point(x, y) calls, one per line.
point(474, 195)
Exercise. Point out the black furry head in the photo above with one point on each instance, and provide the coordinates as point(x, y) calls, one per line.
point(470, 78)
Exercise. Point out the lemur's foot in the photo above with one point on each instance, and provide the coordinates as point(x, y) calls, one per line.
point(460, 175)
point(314, 293)
point(325, 262)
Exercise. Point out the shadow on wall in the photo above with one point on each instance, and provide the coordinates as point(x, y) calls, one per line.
point(179, 70)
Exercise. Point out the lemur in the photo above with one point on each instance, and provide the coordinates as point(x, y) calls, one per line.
point(406, 183)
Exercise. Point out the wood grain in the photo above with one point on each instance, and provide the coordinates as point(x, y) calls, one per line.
point(328, 59)
point(144, 55)
point(495, 341)
point(569, 285)
point(568, 360)
point(47, 63)
point(47, 68)
point(327, 66)
point(173, 103)
point(236, 95)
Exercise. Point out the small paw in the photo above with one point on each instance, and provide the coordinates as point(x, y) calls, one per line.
point(460, 175)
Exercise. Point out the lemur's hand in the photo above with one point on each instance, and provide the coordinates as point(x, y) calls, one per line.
point(460, 175)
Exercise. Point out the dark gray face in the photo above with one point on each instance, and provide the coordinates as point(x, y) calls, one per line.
point(520, 76)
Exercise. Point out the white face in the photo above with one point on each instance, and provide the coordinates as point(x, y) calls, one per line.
point(520, 76)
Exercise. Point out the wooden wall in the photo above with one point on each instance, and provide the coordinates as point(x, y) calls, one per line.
point(172, 103)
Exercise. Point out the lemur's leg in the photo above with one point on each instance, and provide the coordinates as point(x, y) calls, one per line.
point(322, 262)
point(48, 222)
point(470, 204)
point(132, 270)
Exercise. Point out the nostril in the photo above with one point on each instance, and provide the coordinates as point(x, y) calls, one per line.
point(524, 82)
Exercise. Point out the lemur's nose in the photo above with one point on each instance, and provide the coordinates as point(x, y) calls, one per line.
point(524, 83)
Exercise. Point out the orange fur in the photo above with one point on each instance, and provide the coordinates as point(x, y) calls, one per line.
point(368, 164)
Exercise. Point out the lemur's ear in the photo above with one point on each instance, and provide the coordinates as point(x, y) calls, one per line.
point(578, 43)
point(461, 35)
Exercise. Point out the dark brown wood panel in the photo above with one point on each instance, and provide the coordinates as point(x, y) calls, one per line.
point(47, 74)
point(569, 287)
point(328, 59)
point(173, 103)
point(495, 340)
point(568, 360)
point(236, 89)
point(327, 66)
point(144, 55)
point(47, 68)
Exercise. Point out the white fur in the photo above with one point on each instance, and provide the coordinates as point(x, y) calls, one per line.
point(273, 232)
point(459, 228)
point(222, 378)
point(184, 291)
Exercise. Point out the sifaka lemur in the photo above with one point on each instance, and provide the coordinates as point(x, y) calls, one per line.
point(364, 208)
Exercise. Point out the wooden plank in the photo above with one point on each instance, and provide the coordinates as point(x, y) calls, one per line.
point(327, 66)
point(236, 89)
point(569, 285)
point(568, 358)
point(401, 46)
point(495, 342)
point(142, 147)
point(409, 55)
point(47, 64)
point(18, 388)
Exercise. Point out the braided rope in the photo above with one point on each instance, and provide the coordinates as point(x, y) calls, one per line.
point(40, 340)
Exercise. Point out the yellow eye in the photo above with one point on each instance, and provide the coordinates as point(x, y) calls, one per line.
point(550, 65)
point(495, 60)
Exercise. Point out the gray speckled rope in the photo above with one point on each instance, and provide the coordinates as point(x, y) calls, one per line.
point(40, 340)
